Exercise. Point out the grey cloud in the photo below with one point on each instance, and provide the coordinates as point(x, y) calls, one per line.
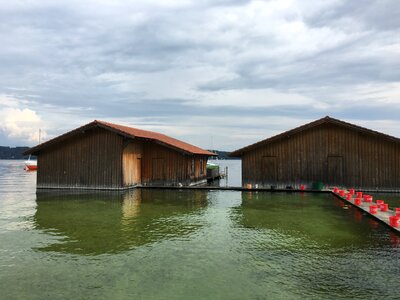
point(158, 110)
point(339, 67)
point(374, 14)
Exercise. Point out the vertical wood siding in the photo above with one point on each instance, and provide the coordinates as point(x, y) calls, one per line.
point(100, 159)
point(321, 154)
point(164, 166)
point(90, 160)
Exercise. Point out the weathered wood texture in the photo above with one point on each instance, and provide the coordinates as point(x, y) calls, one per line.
point(89, 160)
point(330, 154)
point(165, 166)
point(101, 159)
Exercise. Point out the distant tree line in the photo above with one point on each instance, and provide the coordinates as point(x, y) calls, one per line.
point(12, 152)
point(223, 154)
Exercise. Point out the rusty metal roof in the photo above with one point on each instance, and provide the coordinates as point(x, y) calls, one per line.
point(325, 120)
point(128, 132)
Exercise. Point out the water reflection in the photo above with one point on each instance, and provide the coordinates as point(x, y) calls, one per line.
point(310, 219)
point(111, 222)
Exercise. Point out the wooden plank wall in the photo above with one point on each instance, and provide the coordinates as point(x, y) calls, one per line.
point(367, 161)
point(99, 159)
point(90, 160)
point(172, 167)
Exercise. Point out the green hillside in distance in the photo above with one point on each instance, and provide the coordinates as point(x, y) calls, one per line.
point(12, 152)
point(223, 154)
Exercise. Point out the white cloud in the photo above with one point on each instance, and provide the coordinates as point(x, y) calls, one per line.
point(19, 124)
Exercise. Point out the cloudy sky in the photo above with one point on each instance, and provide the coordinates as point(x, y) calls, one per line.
point(216, 73)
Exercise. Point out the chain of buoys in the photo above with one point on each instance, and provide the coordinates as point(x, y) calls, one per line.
point(374, 208)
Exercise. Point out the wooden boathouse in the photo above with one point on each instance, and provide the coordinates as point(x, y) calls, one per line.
point(325, 152)
point(102, 155)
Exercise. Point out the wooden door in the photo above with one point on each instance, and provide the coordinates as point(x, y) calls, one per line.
point(269, 170)
point(132, 164)
point(335, 170)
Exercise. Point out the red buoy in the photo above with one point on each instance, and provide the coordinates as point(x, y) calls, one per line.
point(302, 187)
point(341, 193)
point(357, 201)
point(368, 198)
point(351, 191)
point(394, 221)
point(379, 202)
point(373, 209)
point(349, 197)
point(384, 207)
point(335, 190)
point(359, 194)
point(397, 210)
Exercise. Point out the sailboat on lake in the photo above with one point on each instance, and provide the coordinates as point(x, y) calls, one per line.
point(31, 164)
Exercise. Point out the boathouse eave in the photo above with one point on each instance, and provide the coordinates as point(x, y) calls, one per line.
point(36, 149)
point(326, 120)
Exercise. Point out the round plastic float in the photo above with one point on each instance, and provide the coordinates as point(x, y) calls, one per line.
point(367, 198)
point(373, 209)
point(394, 221)
point(384, 207)
point(357, 201)
point(397, 210)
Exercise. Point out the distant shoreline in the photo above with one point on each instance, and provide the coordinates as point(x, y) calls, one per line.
point(7, 152)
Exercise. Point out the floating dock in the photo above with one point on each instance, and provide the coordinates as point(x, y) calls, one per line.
point(377, 210)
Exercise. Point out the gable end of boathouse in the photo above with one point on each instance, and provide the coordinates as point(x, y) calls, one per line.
point(325, 152)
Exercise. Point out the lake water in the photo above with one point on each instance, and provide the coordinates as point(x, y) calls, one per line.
point(234, 171)
point(155, 244)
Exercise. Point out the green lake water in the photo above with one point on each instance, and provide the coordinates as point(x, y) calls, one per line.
point(171, 244)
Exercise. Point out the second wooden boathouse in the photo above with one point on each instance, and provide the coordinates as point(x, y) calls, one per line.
point(102, 155)
point(325, 152)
